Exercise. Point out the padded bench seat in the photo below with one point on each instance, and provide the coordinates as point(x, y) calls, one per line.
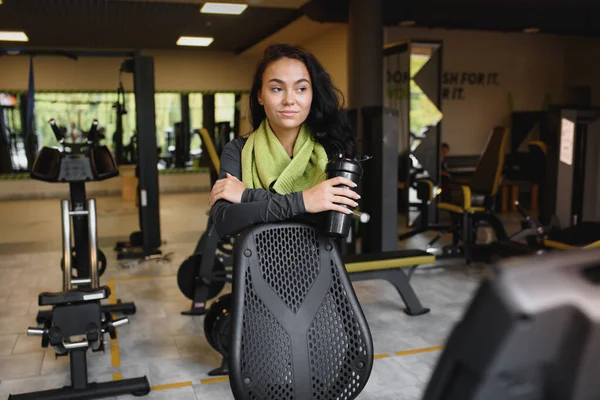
point(581, 236)
point(73, 296)
point(387, 260)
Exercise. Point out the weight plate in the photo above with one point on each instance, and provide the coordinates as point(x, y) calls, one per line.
point(222, 333)
point(136, 239)
point(214, 323)
point(187, 277)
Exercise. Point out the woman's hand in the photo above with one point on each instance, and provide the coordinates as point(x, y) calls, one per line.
point(229, 188)
point(325, 196)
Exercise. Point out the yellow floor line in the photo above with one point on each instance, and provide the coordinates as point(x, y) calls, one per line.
point(376, 357)
point(172, 386)
point(112, 299)
point(115, 351)
point(417, 351)
point(214, 380)
point(116, 356)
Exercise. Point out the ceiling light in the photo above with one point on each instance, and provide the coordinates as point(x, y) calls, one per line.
point(194, 41)
point(531, 30)
point(223, 8)
point(9, 36)
point(407, 23)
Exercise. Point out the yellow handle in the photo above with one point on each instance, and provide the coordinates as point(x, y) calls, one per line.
point(210, 147)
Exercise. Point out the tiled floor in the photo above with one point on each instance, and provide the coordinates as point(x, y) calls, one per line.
point(169, 348)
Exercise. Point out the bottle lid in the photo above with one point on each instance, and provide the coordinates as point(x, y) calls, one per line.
point(345, 164)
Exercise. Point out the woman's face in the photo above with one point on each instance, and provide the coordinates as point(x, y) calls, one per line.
point(286, 94)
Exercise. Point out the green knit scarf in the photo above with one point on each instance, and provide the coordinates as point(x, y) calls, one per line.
point(264, 161)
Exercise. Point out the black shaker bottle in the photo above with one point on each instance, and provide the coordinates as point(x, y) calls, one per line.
point(337, 223)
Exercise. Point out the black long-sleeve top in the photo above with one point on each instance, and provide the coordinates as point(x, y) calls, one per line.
point(257, 205)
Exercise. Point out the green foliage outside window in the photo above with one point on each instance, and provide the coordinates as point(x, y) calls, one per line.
point(422, 111)
point(80, 109)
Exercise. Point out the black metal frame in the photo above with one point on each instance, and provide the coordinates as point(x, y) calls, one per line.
point(142, 68)
point(401, 282)
point(464, 228)
point(74, 317)
point(567, 183)
point(380, 179)
point(6, 160)
point(424, 224)
point(206, 275)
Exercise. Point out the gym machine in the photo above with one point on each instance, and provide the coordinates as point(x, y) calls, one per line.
point(78, 321)
point(529, 333)
point(571, 192)
point(122, 155)
point(145, 243)
point(201, 278)
point(76, 164)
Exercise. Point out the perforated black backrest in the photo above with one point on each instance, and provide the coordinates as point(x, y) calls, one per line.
point(486, 178)
point(298, 331)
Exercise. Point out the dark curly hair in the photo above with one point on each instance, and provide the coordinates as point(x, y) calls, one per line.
point(327, 120)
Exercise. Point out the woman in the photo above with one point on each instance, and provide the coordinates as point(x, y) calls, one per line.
point(278, 171)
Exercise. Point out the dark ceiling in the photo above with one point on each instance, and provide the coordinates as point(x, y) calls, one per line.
point(563, 17)
point(157, 24)
point(119, 24)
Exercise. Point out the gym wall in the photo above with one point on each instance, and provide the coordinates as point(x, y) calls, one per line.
point(582, 57)
point(174, 71)
point(331, 48)
point(527, 66)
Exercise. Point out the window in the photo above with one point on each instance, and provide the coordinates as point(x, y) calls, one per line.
point(196, 119)
point(168, 112)
point(77, 111)
point(225, 107)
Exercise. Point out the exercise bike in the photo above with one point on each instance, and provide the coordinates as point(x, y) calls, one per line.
point(78, 322)
point(76, 164)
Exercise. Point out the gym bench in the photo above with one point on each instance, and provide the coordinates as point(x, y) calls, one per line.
point(201, 278)
point(585, 235)
point(389, 266)
point(466, 216)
